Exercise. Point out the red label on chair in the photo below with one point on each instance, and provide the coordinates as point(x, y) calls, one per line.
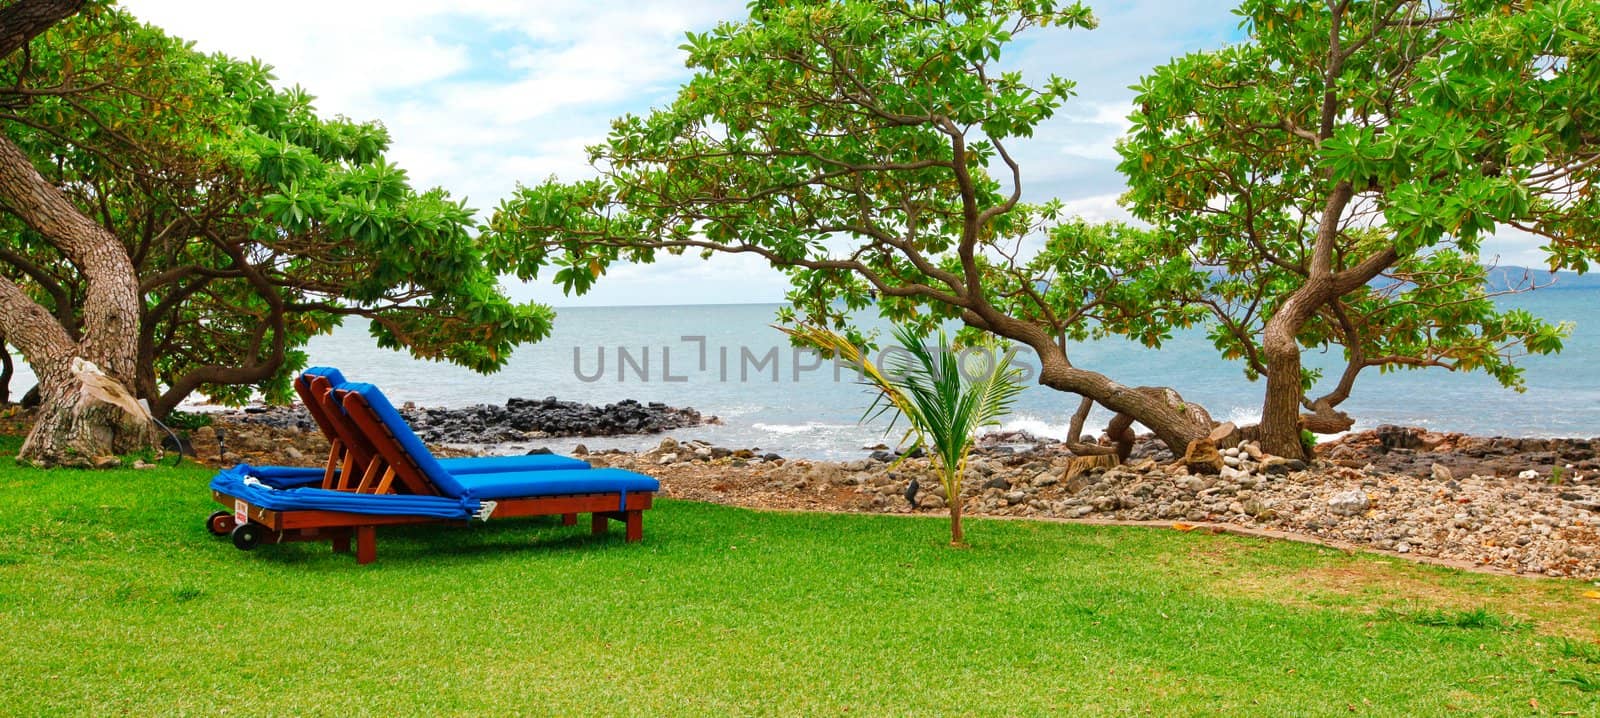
point(241, 512)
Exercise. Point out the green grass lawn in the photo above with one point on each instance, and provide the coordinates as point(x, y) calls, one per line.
point(115, 600)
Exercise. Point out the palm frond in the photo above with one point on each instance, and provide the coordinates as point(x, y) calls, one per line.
point(945, 403)
point(887, 395)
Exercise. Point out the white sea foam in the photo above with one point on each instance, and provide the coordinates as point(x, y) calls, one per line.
point(808, 427)
point(1033, 426)
point(1244, 415)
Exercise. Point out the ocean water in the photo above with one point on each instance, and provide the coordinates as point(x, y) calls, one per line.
point(726, 360)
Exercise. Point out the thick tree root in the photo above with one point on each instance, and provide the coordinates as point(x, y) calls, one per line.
point(67, 434)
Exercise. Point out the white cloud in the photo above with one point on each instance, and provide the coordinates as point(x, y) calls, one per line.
point(462, 84)
point(343, 52)
point(1104, 150)
point(1512, 247)
point(686, 279)
point(483, 94)
point(1089, 112)
point(1099, 208)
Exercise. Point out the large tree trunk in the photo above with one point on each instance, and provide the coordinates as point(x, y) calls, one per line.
point(1281, 420)
point(67, 430)
point(24, 20)
point(1279, 432)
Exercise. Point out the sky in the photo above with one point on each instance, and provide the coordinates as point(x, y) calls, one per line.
point(479, 95)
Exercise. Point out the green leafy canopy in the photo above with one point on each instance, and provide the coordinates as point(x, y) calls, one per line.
point(1391, 134)
point(254, 222)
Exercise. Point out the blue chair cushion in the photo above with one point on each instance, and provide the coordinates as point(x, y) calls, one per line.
point(286, 477)
point(535, 484)
point(412, 445)
point(234, 482)
point(496, 464)
point(283, 477)
point(334, 377)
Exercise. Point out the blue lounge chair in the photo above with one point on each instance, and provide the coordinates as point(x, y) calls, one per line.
point(404, 483)
point(350, 454)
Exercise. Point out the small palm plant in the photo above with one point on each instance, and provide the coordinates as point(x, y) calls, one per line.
point(944, 400)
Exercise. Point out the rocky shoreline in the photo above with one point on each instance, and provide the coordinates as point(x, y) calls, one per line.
point(517, 421)
point(1417, 452)
point(1529, 506)
point(1527, 525)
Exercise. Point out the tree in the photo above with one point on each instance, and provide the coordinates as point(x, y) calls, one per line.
point(945, 397)
point(67, 428)
point(1341, 169)
point(246, 224)
point(848, 143)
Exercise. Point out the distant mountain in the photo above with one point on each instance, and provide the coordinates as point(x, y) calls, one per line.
point(1502, 278)
point(1511, 277)
point(1499, 279)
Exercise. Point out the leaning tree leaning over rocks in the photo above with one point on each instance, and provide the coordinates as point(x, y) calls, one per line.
point(107, 333)
point(232, 221)
point(1341, 168)
point(849, 144)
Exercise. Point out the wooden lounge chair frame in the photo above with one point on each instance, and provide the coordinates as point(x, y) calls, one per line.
point(364, 446)
point(339, 527)
point(340, 458)
point(350, 455)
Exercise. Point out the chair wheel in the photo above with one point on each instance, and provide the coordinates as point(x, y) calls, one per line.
point(220, 523)
point(247, 536)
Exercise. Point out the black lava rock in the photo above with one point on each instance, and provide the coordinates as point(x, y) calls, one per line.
point(518, 420)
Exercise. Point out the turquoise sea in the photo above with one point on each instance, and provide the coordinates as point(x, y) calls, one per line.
point(769, 397)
